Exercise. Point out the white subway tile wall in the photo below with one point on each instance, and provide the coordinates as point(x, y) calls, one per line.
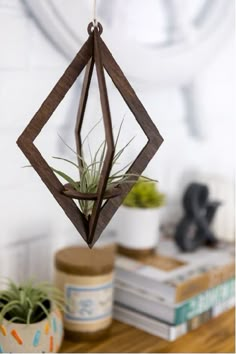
point(32, 225)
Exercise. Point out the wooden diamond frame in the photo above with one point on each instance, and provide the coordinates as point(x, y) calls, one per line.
point(94, 51)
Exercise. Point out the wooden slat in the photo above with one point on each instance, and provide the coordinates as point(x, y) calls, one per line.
point(33, 129)
point(110, 148)
point(144, 120)
point(82, 108)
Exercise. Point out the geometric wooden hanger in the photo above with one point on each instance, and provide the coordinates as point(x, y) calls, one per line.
point(94, 52)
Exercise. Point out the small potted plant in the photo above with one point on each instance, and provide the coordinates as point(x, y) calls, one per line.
point(138, 230)
point(30, 318)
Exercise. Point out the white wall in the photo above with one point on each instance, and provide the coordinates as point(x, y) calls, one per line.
point(32, 224)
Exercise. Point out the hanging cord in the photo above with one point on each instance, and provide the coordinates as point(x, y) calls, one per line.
point(94, 23)
point(95, 12)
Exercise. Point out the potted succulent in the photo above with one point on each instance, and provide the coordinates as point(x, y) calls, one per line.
point(138, 230)
point(30, 318)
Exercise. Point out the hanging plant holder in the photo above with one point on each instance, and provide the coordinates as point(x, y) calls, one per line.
point(94, 52)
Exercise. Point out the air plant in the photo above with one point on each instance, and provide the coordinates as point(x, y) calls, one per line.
point(90, 172)
point(28, 302)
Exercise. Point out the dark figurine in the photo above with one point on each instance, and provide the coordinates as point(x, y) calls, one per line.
point(193, 229)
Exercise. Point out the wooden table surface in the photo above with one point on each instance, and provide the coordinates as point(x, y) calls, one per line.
point(216, 336)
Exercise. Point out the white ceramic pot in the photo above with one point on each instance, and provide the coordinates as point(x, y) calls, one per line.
point(137, 228)
point(41, 337)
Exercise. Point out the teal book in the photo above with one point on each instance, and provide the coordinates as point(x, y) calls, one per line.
point(164, 330)
point(146, 303)
point(204, 301)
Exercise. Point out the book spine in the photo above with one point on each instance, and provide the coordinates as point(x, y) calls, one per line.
point(204, 301)
point(197, 321)
point(224, 306)
point(163, 330)
point(195, 285)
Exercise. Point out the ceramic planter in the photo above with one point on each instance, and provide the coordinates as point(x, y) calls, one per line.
point(138, 228)
point(41, 337)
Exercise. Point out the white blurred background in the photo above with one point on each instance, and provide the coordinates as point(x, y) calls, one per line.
point(178, 56)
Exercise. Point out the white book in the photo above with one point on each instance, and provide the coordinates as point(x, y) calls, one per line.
point(175, 314)
point(164, 330)
point(175, 276)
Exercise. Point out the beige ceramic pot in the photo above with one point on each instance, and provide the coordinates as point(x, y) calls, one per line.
point(41, 337)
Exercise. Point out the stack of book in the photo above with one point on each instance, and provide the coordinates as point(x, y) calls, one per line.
point(170, 293)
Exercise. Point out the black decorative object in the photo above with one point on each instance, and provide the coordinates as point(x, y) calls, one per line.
point(193, 229)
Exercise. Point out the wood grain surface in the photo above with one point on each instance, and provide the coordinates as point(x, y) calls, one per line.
point(216, 336)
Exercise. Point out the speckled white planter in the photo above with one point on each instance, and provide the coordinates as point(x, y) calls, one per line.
point(45, 336)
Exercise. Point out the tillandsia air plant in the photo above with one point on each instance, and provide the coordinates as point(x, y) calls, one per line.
point(89, 173)
point(144, 195)
point(29, 302)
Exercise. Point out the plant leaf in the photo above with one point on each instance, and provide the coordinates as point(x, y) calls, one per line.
point(66, 177)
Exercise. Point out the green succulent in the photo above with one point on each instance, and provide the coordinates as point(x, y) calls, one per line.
point(144, 194)
point(28, 302)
